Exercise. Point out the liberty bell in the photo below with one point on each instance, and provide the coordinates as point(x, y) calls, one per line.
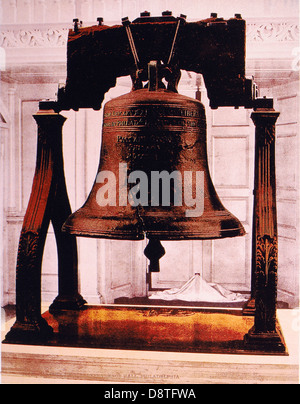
point(153, 177)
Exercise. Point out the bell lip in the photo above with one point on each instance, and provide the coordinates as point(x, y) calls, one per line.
point(161, 235)
point(109, 234)
point(155, 235)
point(138, 231)
point(177, 236)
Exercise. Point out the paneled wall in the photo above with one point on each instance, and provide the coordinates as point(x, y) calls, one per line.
point(33, 37)
point(232, 159)
point(287, 174)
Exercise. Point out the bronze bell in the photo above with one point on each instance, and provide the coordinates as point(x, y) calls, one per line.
point(153, 177)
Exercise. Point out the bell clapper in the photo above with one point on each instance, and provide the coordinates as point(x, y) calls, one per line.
point(154, 251)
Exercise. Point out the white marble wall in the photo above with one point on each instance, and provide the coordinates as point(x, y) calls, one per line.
point(33, 35)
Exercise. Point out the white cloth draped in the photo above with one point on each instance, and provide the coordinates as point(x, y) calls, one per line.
point(198, 290)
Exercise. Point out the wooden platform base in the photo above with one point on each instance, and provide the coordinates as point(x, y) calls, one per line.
point(152, 329)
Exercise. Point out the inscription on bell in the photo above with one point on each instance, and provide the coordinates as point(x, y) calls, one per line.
point(131, 138)
point(150, 110)
point(153, 116)
point(136, 142)
point(184, 123)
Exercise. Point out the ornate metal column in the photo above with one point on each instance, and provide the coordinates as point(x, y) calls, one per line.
point(48, 201)
point(265, 335)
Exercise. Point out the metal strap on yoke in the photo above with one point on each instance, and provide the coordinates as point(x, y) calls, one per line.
point(126, 23)
point(174, 41)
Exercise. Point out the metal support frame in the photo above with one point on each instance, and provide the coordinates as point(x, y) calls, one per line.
point(265, 335)
point(48, 202)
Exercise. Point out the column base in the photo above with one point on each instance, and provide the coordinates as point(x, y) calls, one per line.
point(25, 332)
point(63, 302)
point(266, 342)
point(249, 308)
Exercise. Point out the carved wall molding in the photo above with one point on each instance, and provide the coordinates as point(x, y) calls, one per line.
point(273, 31)
point(34, 37)
point(40, 36)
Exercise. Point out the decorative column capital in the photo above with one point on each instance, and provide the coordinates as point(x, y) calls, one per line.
point(264, 120)
point(265, 114)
